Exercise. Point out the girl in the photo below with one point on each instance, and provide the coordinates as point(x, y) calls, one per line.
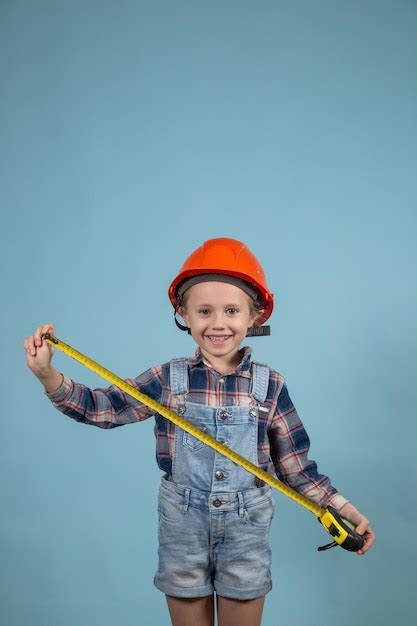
point(214, 517)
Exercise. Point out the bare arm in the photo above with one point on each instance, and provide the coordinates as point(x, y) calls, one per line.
point(51, 379)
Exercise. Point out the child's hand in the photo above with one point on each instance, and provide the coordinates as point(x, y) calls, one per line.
point(351, 513)
point(39, 353)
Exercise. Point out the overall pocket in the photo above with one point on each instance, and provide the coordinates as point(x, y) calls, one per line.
point(260, 514)
point(170, 508)
point(191, 442)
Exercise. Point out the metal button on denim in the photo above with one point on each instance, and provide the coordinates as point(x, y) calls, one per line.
point(217, 502)
point(252, 412)
point(223, 415)
point(219, 475)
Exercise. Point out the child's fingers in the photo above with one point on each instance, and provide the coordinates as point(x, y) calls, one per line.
point(362, 526)
point(40, 332)
point(369, 540)
point(37, 337)
point(32, 342)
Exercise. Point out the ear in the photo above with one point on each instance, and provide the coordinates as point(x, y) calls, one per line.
point(256, 315)
point(183, 313)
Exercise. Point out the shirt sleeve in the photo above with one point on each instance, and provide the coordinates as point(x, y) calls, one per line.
point(107, 407)
point(289, 446)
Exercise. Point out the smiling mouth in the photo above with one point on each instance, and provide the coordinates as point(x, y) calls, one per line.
point(218, 338)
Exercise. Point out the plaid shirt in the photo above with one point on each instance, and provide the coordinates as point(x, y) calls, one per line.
point(283, 443)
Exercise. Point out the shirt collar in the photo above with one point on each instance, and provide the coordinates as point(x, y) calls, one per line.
point(243, 369)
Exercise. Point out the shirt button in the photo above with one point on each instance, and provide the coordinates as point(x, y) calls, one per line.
point(221, 380)
point(219, 475)
point(217, 503)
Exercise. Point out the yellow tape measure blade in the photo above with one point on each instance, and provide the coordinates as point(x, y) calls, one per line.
point(336, 525)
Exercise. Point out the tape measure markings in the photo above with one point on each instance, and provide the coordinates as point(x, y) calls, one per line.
point(334, 523)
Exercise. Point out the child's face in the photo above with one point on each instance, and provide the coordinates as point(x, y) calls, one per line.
point(218, 315)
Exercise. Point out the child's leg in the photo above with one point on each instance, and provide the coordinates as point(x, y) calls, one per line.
point(243, 612)
point(191, 611)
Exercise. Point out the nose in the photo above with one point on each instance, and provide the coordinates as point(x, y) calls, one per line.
point(218, 321)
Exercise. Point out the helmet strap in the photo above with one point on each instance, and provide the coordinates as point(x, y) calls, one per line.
point(181, 326)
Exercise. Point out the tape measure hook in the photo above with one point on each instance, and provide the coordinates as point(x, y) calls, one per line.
point(50, 337)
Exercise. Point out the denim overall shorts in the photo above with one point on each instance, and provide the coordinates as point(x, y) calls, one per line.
point(214, 520)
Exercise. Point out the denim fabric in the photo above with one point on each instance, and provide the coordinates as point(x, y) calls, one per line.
point(213, 519)
point(283, 442)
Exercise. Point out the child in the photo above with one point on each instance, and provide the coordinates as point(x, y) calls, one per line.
point(214, 517)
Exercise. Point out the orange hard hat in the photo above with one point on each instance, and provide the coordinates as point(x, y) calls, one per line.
point(227, 257)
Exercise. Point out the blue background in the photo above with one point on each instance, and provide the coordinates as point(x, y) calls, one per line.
point(130, 133)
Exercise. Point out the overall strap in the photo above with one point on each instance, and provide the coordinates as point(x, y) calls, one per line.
point(260, 381)
point(178, 376)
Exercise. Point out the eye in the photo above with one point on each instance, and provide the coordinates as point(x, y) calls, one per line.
point(204, 311)
point(232, 310)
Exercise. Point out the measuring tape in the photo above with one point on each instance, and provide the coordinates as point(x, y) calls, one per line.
point(342, 531)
